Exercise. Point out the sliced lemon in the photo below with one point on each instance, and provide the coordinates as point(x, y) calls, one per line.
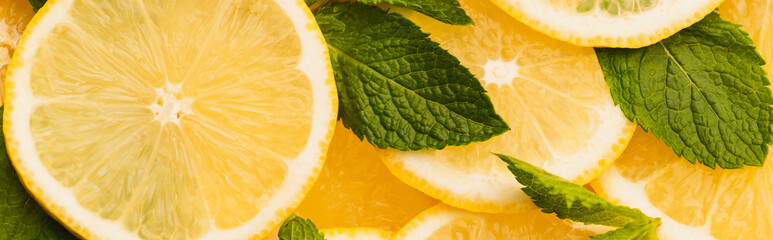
point(355, 189)
point(693, 201)
point(445, 222)
point(14, 16)
point(553, 96)
point(170, 119)
point(609, 23)
point(356, 234)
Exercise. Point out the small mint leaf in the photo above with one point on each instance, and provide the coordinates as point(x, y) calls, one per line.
point(569, 201)
point(397, 88)
point(702, 91)
point(641, 230)
point(37, 4)
point(297, 228)
point(447, 11)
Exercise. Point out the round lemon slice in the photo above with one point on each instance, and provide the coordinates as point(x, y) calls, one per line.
point(609, 23)
point(445, 222)
point(693, 201)
point(146, 119)
point(356, 234)
point(551, 94)
point(355, 189)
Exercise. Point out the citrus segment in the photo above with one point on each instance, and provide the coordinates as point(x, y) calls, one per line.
point(609, 23)
point(445, 222)
point(693, 201)
point(355, 189)
point(550, 93)
point(171, 119)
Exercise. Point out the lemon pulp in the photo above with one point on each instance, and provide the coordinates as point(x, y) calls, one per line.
point(170, 119)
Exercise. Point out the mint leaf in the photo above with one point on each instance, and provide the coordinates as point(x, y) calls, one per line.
point(641, 230)
point(37, 4)
point(555, 195)
point(399, 89)
point(22, 217)
point(702, 91)
point(296, 228)
point(447, 11)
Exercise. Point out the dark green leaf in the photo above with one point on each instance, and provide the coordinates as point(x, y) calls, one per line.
point(37, 4)
point(702, 91)
point(642, 230)
point(399, 89)
point(296, 228)
point(555, 195)
point(447, 11)
point(22, 217)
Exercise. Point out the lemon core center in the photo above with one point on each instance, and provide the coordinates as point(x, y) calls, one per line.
point(170, 104)
point(500, 72)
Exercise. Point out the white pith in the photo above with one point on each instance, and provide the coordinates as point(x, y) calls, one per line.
point(359, 233)
point(567, 24)
point(61, 201)
point(428, 222)
point(503, 188)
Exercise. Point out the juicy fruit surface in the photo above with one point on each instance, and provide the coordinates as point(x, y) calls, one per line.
point(552, 95)
point(14, 16)
point(121, 128)
point(356, 234)
point(695, 202)
point(444, 222)
point(355, 189)
point(609, 23)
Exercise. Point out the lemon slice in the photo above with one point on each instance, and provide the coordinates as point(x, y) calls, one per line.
point(170, 119)
point(356, 234)
point(445, 222)
point(553, 96)
point(609, 23)
point(14, 16)
point(693, 201)
point(355, 189)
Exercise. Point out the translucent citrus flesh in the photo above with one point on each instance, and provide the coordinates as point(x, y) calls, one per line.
point(459, 224)
point(14, 16)
point(755, 16)
point(552, 95)
point(732, 204)
point(610, 7)
point(609, 23)
point(171, 117)
point(356, 234)
point(355, 189)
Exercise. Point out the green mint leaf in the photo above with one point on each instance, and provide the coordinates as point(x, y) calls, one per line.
point(641, 230)
point(702, 91)
point(447, 11)
point(399, 89)
point(22, 217)
point(37, 4)
point(296, 228)
point(555, 195)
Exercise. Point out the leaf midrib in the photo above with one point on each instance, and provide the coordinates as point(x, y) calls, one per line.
point(379, 74)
